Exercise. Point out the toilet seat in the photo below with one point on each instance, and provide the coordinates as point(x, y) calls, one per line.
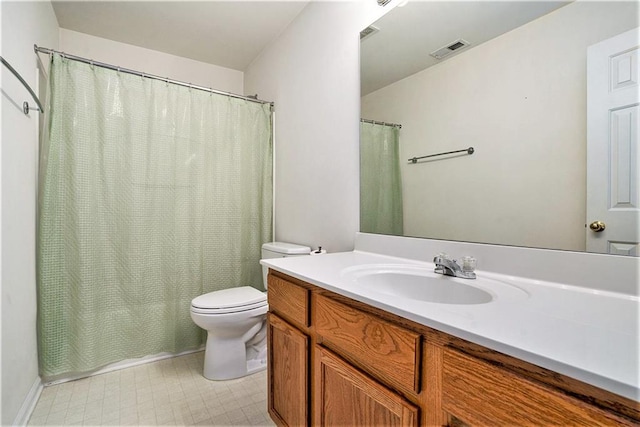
point(231, 300)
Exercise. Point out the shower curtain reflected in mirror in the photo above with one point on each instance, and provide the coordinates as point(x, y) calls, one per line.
point(150, 195)
point(380, 182)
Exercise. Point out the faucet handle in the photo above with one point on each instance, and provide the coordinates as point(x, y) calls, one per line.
point(442, 256)
point(469, 264)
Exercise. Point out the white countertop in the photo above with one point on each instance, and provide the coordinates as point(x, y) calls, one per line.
point(586, 334)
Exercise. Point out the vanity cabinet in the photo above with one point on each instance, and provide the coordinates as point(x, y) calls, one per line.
point(334, 361)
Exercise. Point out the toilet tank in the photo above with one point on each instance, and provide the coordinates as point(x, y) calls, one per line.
point(280, 250)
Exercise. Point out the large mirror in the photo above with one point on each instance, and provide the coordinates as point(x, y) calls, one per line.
point(545, 94)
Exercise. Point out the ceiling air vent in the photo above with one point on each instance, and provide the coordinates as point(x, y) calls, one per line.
point(443, 52)
point(368, 32)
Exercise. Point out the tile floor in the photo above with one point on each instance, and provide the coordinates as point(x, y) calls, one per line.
point(167, 392)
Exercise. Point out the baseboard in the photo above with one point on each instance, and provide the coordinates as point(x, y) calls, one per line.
point(117, 366)
point(29, 404)
point(31, 399)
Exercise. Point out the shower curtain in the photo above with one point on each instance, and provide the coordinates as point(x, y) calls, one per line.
point(380, 184)
point(150, 195)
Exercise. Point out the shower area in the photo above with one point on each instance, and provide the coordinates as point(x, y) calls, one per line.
point(381, 210)
point(151, 192)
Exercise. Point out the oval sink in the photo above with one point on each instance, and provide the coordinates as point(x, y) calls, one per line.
point(420, 283)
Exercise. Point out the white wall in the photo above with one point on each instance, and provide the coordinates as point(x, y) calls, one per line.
point(311, 72)
point(520, 100)
point(151, 61)
point(23, 24)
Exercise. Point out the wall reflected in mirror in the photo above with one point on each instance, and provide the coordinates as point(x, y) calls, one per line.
point(513, 84)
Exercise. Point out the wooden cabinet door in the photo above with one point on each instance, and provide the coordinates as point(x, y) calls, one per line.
point(344, 396)
point(287, 373)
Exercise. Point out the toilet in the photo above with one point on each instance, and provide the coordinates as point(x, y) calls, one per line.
point(235, 321)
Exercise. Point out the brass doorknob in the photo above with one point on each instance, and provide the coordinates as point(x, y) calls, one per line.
point(597, 226)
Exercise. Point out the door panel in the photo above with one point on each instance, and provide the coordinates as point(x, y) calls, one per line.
point(613, 159)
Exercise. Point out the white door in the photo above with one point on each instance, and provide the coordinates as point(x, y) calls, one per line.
point(613, 190)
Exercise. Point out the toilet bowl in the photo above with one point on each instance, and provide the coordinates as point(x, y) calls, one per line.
point(235, 321)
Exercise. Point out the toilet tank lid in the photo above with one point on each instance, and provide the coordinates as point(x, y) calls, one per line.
point(286, 248)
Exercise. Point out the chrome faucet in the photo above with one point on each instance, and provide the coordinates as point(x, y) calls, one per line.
point(450, 267)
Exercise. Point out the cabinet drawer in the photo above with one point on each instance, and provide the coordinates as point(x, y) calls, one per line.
point(289, 300)
point(387, 351)
point(480, 393)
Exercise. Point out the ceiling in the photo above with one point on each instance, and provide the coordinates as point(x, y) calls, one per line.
point(409, 34)
point(226, 33)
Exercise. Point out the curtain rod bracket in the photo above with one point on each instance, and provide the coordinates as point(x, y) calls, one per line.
point(26, 108)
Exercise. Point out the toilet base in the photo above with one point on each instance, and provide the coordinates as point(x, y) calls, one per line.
point(223, 358)
point(215, 373)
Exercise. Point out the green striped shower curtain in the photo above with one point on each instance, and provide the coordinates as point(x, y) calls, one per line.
point(150, 194)
point(380, 183)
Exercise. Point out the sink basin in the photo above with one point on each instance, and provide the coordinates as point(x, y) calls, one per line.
point(421, 283)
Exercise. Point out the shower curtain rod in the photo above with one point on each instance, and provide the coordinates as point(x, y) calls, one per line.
point(253, 98)
point(375, 122)
point(25, 104)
